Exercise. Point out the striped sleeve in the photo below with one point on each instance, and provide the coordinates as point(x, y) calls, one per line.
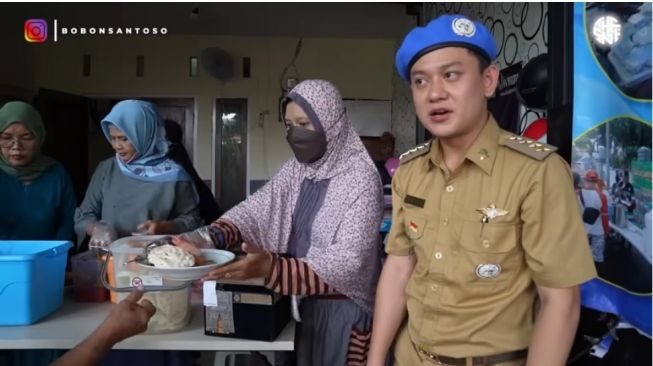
point(359, 345)
point(225, 235)
point(292, 276)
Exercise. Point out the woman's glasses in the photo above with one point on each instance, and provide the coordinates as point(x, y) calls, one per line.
point(9, 141)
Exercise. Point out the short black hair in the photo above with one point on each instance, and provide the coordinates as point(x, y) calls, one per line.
point(483, 61)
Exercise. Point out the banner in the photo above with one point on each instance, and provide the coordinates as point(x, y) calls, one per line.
point(611, 151)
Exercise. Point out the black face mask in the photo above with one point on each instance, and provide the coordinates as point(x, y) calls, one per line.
point(308, 146)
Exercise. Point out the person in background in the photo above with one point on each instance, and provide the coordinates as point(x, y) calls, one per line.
point(617, 182)
point(312, 230)
point(140, 189)
point(36, 195)
point(127, 318)
point(590, 198)
point(209, 209)
point(605, 202)
point(36, 192)
point(625, 192)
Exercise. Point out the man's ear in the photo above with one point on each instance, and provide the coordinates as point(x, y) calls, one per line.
point(490, 80)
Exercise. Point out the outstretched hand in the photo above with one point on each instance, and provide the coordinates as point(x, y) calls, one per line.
point(127, 318)
point(256, 263)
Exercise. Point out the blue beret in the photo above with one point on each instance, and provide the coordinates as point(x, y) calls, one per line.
point(444, 31)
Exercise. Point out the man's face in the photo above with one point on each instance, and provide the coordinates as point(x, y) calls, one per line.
point(450, 91)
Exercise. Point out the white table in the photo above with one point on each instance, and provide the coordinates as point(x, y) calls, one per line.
point(635, 236)
point(74, 321)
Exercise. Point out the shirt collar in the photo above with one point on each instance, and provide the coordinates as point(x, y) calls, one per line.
point(483, 151)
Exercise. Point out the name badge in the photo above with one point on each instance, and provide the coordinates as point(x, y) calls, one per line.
point(415, 201)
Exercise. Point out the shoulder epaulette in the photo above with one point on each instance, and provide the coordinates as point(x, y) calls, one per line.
point(418, 150)
point(531, 148)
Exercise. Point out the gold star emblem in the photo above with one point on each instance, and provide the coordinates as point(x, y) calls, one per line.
point(491, 213)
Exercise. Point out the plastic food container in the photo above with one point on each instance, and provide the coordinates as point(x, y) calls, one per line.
point(31, 279)
point(171, 298)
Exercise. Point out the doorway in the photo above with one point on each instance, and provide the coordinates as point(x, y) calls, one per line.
point(66, 120)
point(230, 151)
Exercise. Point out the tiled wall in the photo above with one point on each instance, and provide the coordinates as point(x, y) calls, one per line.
point(404, 122)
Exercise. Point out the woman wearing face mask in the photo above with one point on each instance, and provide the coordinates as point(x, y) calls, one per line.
point(140, 189)
point(312, 229)
point(35, 191)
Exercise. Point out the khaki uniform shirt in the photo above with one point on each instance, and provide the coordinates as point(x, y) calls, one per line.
point(472, 292)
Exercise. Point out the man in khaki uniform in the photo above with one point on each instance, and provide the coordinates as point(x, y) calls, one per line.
point(484, 223)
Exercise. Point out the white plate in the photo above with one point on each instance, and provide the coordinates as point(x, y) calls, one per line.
point(218, 257)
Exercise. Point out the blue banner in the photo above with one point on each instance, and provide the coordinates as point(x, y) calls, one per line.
point(611, 153)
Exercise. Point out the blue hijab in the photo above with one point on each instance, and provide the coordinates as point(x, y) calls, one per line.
point(141, 123)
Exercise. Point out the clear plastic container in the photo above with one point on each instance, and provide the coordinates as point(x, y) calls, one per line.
point(173, 310)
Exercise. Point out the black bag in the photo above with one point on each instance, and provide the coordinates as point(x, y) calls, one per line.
point(590, 214)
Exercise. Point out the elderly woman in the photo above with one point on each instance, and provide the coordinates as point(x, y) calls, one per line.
point(140, 189)
point(36, 191)
point(322, 212)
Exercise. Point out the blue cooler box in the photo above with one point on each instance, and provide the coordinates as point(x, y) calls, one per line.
point(31, 279)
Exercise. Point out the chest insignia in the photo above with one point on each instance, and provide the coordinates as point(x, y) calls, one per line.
point(488, 270)
point(491, 213)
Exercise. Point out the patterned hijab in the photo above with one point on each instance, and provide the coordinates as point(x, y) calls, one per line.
point(141, 123)
point(21, 112)
point(344, 239)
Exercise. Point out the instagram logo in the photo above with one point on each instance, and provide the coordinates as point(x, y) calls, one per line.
point(36, 30)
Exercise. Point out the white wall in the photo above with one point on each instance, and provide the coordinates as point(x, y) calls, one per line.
point(361, 68)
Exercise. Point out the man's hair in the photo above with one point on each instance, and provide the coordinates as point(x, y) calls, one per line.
point(483, 61)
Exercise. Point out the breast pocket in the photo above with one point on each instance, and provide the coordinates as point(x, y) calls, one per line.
point(488, 259)
point(488, 240)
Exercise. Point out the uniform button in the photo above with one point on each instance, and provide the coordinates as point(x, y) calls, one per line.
point(438, 255)
point(486, 243)
point(434, 287)
point(449, 188)
point(445, 221)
